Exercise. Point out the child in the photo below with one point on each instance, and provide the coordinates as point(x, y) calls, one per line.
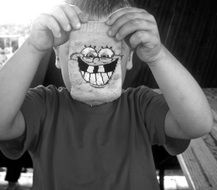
point(91, 134)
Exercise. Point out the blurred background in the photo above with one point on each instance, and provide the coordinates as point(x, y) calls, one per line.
point(188, 29)
point(15, 21)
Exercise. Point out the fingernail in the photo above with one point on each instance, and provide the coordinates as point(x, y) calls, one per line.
point(110, 33)
point(78, 25)
point(68, 28)
point(83, 17)
point(108, 22)
point(58, 35)
point(118, 37)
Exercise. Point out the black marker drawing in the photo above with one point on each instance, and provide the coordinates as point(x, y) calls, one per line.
point(96, 67)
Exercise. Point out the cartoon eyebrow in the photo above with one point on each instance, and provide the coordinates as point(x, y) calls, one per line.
point(106, 52)
point(102, 47)
point(89, 50)
point(90, 46)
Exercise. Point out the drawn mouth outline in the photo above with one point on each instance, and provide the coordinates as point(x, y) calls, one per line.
point(97, 76)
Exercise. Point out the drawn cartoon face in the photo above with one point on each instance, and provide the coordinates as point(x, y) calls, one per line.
point(93, 64)
point(96, 66)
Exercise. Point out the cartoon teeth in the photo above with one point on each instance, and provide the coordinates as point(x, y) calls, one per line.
point(97, 75)
point(110, 74)
point(105, 76)
point(93, 79)
point(99, 79)
point(90, 69)
point(101, 69)
point(96, 79)
point(86, 76)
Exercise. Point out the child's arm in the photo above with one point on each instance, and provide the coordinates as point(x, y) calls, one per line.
point(190, 115)
point(48, 30)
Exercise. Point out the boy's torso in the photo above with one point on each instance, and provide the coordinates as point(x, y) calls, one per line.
point(103, 147)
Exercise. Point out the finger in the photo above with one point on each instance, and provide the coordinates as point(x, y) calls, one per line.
point(72, 13)
point(81, 15)
point(61, 17)
point(76, 8)
point(50, 22)
point(124, 19)
point(112, 18)
point(133, 26)
point(143, 37)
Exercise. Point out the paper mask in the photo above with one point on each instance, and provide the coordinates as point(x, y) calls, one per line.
point(94, 64)
point(96, 73)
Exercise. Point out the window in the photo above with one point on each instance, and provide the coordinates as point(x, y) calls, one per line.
point(15, 21)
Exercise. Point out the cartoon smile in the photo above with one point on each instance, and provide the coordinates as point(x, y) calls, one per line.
point(98, 76)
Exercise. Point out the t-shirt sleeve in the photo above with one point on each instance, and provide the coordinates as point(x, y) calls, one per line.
point(155, 108)
point(33, 110)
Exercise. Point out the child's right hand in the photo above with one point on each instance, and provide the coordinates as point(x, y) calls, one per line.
point(52, 29)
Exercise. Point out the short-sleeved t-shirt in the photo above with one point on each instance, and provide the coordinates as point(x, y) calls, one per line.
point(76, 146)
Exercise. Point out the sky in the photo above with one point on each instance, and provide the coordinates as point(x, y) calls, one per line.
point(23, 11)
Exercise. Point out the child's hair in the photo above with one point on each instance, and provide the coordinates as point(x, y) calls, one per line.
point(100, 8)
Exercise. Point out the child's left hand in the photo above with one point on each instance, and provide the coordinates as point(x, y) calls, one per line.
point(140, 28)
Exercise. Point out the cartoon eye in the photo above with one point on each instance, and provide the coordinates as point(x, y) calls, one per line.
point(88, 50)
point(106, 53)
point(89, 53)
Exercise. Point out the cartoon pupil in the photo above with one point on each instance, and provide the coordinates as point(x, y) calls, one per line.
point(96, 68)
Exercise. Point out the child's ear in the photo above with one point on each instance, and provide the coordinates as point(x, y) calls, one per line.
point(130, 61)
point(57, 62)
